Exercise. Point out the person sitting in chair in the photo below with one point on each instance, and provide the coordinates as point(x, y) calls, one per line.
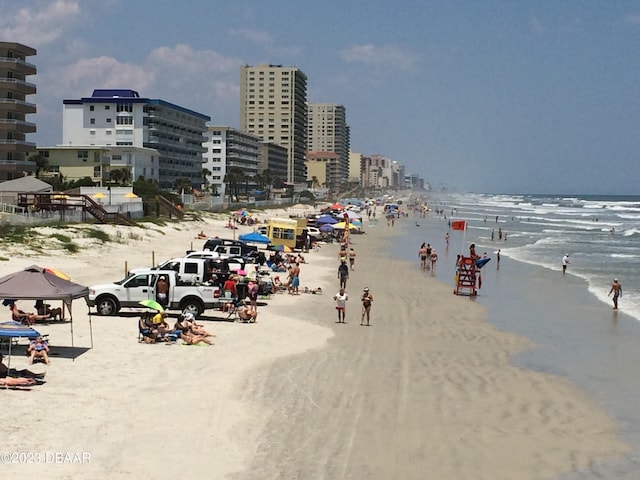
point(28, 318)
point(38, 349)
point(45, 309)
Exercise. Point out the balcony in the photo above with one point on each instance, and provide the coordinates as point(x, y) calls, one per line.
point(12, 125)
point(20, 146)
point(17, 86)
point(13, 105)
point(18, 65)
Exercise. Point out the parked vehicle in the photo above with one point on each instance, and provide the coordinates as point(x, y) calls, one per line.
point(109, 298)
point(211, 243)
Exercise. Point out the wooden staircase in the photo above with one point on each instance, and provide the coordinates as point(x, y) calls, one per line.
point(61, 202)
point(166, 206)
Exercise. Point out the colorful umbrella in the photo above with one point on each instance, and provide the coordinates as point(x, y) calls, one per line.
point(99, 195)
point(342, 226)
point(281, 248)
point(152, 304)
point(57, 273)
point(336, 206)
point(326, 227)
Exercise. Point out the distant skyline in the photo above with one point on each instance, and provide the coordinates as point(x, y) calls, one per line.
point(492, 96)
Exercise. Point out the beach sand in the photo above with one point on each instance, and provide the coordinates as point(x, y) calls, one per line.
point(427, 391)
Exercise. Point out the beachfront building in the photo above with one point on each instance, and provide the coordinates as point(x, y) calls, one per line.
point(274, 158)
point(376, 172)
point(355, 161)
point(273, 106)
point(227, 147)
point(324, 170)
point(14, 90)
point(103, 165)
point(328, 132)
point(123, 118)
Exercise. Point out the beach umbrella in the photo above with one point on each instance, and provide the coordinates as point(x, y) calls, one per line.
point(326, 227)
point(99, 195)
point(130, 195)
point(151, 304)
point(336, 206)
point(325, 219)
point(254, 237)
point(57, 273)
point(281, 248)
point(342, 226)
point(351, 214)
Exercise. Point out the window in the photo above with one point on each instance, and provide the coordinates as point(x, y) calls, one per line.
point(108, 132)
point(107, 107)
point(92, 121)
point(83, 155)
point(92, 132)
point(91, 108)
point(97, 171)
point(124, 121)
point(124, 107)
point(124, 143)
point(108, 120)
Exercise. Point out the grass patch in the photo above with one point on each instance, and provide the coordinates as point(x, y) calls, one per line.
point(61, 238)
point(98, 235)
point(71, 247)
point(14, 233)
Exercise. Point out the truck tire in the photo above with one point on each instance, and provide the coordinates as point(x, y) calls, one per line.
point(107, 305)
point(192, 305)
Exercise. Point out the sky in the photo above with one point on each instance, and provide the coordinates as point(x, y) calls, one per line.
point(480, 96)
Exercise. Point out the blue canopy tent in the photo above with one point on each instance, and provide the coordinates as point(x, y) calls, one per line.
point(13, 330)
point(255, 237)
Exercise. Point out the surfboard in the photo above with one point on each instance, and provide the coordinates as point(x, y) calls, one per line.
point(481, 262)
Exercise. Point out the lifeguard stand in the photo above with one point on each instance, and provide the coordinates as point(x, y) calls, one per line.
point(467, 275)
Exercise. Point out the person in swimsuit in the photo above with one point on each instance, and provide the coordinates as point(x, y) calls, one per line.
point(616, 289)
point(341, 303)
point(367, 300)
point(422, 255)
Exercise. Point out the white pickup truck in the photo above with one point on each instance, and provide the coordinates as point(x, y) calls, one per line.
point(109, 298)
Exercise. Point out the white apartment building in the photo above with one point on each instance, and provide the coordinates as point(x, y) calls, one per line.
point(227, 147)
point(273, 106)
point(123, 118)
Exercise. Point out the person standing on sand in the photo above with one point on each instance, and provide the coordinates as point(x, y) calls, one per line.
point(295, 278)
point(343, 274)
point(565, 262)
point(422, 255)
point(367, 300)
point(616, 289)
point(162, 291)
point(341, 303)
point(352, 259)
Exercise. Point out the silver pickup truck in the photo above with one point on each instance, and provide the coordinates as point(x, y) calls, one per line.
point(109, 298)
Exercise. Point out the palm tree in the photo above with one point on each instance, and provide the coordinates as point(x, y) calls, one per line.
point(120, 176)
point(206, 173)
point(42, 163)
point(267, 178)
point(234, 176)
point(182, 184)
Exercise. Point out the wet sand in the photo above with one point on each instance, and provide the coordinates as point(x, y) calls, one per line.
point(428, 391)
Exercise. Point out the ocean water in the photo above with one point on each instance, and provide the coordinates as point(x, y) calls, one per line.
point(601, 234)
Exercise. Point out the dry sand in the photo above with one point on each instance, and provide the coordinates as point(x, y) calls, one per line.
point(426, 392)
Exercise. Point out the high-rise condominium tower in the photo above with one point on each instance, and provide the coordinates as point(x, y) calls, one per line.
point(14, 89)
point(273, 106)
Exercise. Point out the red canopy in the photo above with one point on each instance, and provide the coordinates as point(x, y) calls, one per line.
point(336, 206)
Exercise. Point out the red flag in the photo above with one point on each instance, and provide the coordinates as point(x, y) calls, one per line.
point(458, 225)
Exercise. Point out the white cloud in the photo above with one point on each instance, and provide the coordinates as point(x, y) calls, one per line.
point(40, 25)
point(380, 56)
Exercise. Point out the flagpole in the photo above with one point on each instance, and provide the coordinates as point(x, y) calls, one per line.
point(464, 238)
